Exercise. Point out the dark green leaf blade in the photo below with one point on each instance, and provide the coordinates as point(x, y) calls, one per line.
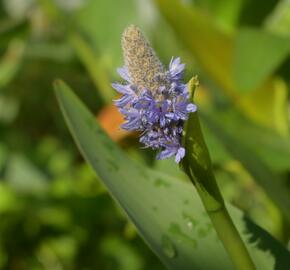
point(272, 184)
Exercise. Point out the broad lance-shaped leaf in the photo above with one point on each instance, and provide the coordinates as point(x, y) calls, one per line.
point(167, 213)
point(273, 185)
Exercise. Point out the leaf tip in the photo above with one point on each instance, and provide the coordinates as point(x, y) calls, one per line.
point(192, 85)
point(57, 83)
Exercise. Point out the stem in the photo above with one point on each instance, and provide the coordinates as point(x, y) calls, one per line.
point(197, 165)
point(225, 229)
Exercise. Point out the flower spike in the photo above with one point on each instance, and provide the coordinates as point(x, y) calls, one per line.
point(154, 100)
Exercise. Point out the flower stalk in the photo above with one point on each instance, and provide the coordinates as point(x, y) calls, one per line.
point(197, 165)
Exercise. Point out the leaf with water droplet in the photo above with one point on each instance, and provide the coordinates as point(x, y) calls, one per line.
point(168, 247)
point(202, 233)
point(186, 201)
point(155, 208)
point(190, 221)
point(113, 166)
point(179, 234)
point(161, 183)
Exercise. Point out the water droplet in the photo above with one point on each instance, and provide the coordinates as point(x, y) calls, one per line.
point(190, 221)
point(189, 225)
point(186, 202)
point(112, 165)
point(202, 233)
point(168, 247)
point(161, 183)
point(181, 236)
point(209, 226)
point(144, 174)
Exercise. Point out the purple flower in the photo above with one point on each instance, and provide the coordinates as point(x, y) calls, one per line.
point(154, 100)
point(176, 69)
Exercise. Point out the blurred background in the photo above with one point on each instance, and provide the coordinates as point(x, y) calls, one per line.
point(54, 212)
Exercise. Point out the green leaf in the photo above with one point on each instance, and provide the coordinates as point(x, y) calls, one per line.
point(211, 47)
point(226, 13)
point(94, 66)
point(272, 183)
point(278, 20)
point(214, 51)
point(11, 62)
point(24, 177)
point(257, 55)
point(11, 29)
point(116, 15)
point(124, 256)
point(167, 213)
point(255, 12)
point(271, 147)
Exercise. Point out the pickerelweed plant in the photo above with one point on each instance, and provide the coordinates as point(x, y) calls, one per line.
point(160, 106)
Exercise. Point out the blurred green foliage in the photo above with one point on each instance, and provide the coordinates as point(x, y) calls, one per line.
point(54, 213)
